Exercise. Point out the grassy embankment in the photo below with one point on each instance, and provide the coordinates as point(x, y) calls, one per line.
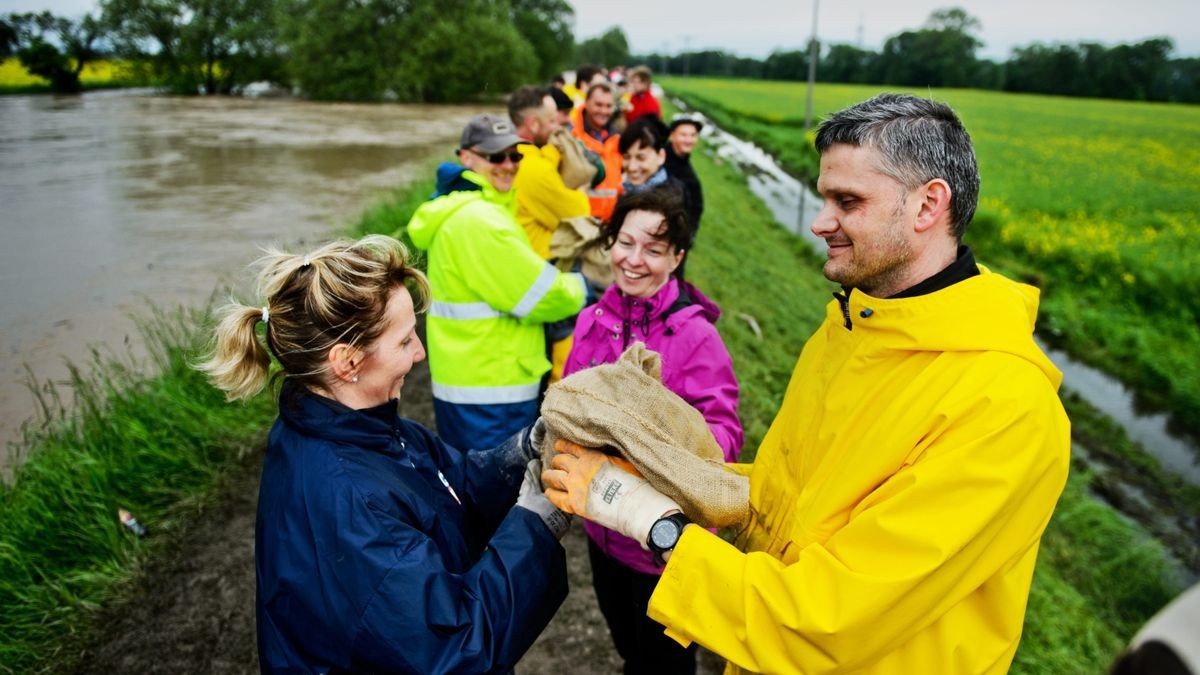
point(158, 445)
point(108, 74)
point(1094, 202)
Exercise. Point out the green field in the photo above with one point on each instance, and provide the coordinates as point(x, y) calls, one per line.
point(1093, 201)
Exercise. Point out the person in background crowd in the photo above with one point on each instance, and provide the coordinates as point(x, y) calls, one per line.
point(563, 105)
point(584, 77)
point(898, 500)
point(641, 99)
point(378, 548)
point(542, 198)
point(592, 124)
point(643, 152)
point(492, 294)
point(647, 236)
point(558, 82)
point(681, 141)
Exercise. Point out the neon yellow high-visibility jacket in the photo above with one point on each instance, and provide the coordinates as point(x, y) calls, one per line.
point(491, 295)
point(897, 500)
point(542, 198)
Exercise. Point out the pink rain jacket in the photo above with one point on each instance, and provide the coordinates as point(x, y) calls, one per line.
point(695, 365)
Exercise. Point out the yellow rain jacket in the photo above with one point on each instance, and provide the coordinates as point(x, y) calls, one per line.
point(542, 198)
point(897, 500)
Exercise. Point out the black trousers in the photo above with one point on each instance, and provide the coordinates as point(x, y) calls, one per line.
point(623, 595)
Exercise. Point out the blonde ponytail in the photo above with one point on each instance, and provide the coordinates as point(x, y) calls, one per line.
point(238, 363)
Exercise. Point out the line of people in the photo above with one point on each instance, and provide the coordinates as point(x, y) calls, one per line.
point(895, 505)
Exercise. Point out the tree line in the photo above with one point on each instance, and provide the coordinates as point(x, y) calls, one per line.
point(403, 50)
point(942, 53)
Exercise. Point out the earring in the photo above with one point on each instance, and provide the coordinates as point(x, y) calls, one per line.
point(355, 379)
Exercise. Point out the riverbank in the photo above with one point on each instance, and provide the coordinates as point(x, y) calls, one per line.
point(1098, 579)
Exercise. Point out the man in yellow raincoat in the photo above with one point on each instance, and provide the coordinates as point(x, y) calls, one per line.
point(898, 499)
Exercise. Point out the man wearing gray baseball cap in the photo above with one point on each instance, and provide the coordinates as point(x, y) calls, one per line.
point(491, 293)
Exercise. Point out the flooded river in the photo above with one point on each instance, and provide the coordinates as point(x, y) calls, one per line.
point(112, 201)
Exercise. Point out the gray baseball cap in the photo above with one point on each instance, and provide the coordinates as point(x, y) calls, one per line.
point(489, 133)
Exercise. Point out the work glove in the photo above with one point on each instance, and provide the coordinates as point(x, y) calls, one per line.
point(530, 497)
point(521, 447)
point(606, 490)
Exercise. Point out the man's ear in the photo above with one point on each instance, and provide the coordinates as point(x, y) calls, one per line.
point(935, 205)
point(344, 361)
point(467, 159)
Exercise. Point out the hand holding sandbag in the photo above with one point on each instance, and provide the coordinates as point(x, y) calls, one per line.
point(530, 497)
point(606, 490)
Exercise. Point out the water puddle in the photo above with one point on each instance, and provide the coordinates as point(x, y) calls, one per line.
point(795, 206)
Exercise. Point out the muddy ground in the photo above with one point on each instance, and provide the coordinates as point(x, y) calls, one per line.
point(192, 610)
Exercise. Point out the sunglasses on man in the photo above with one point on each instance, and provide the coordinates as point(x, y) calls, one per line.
point(513, 156)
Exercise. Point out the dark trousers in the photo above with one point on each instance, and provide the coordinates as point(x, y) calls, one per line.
point(623, 595)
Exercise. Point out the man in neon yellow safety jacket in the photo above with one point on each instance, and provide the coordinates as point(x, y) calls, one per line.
point(491, 293)
point(897, 501)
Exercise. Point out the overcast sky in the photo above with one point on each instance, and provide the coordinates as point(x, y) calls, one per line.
point(756, 27)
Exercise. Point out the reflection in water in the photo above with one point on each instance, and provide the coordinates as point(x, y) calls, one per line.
point(795, 207)
point(111, 201)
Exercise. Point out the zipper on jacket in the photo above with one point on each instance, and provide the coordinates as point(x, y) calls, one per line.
point(844, 302)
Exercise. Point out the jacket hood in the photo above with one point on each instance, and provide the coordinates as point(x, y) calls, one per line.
point(450, 179)
point(431, 215)
point(987, 312)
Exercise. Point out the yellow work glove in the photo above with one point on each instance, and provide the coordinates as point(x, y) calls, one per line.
point(606, 490)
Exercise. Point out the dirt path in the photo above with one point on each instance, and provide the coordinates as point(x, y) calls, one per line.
point(192, 611)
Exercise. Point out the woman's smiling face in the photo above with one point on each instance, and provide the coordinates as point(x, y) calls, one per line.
point(642, 261)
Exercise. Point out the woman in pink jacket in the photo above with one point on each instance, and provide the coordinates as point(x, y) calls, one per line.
point(648, 234)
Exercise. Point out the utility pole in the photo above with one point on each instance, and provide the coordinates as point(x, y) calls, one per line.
point(812, 68)
point(812, 80)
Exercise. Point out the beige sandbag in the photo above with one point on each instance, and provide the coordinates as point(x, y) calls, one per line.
point(578, 238)
point(576, 171)
point(623, 408)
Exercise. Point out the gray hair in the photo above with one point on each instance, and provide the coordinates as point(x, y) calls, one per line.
point(918, 140)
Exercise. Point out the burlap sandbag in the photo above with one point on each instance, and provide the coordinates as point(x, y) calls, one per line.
point(623, 408)
point(578, 238)
point(574, 168)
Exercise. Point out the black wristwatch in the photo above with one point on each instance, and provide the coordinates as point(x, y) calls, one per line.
point(664, 535)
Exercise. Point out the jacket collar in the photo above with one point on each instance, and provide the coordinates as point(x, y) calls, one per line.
point(317, 416)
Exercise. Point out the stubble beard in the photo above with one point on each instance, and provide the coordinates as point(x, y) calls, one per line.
point(878, 266)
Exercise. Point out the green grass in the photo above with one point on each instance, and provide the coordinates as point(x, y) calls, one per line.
point(155, 445)
point(1094, 201)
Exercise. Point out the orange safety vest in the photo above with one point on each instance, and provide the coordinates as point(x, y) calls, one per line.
point(603, 197)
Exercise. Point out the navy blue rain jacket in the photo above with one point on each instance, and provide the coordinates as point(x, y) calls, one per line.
point(367, 560)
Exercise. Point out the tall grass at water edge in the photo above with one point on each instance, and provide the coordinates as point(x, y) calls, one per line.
point(1093, 201)
point(156, 445)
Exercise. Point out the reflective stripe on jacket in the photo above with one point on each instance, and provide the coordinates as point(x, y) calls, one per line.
point(542, 198)
point(897, 500)
point(602, 197)
point(491, 293)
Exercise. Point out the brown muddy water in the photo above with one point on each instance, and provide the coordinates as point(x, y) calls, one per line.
point(112, 201)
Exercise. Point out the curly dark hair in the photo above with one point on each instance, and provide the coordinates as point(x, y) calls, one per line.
point(665, 200)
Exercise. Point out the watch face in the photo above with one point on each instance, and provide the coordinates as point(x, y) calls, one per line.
point(664, 534)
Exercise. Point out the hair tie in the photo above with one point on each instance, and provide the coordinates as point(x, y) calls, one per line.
point(265, 315)
point(307, 261)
